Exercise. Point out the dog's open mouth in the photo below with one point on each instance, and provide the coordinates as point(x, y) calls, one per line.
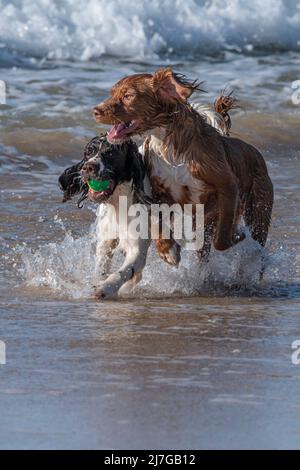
point(100, 190)
point(122, 131)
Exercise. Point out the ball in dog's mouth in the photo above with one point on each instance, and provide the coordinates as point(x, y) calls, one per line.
point(121, 132)
point(100, 190)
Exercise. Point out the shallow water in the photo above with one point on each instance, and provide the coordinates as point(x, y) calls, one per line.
point(200, 357)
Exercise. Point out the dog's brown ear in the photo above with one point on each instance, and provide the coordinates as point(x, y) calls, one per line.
point(173, 86)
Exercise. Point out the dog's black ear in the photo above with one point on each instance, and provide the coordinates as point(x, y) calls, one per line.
point(138, 174)
point(70, 181)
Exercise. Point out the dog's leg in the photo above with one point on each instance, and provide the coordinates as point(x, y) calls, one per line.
point(226, 201)
point(227, 233)
point(258, 209)
point(104, 255)
point(107, 240)
point(210, 221)
point(135, 260)
point(167, 248)
point(129, 285)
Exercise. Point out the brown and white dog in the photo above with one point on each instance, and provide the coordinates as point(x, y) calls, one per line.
point(190, 161)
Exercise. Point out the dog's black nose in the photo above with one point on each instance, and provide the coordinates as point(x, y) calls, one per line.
point(90, 167)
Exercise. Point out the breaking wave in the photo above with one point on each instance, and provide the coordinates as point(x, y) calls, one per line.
point(86, 29)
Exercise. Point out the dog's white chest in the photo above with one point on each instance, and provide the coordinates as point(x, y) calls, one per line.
point(175, 178)
point(114, 219)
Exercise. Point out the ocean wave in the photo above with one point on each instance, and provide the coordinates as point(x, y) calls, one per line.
point(87, 29)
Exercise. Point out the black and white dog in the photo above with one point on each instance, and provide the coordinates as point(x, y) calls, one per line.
point(123, 167)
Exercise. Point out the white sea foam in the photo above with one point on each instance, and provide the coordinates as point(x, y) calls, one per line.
point(84, 29)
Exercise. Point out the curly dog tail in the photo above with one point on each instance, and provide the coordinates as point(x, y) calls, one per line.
point(223, 104)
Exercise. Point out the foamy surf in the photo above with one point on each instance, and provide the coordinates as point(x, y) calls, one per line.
point(88, 29)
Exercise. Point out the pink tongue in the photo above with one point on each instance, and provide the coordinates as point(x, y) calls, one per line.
point(116, 130)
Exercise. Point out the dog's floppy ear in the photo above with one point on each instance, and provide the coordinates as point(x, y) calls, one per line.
point(70, 181)
point(173, 86)
point(138, 175)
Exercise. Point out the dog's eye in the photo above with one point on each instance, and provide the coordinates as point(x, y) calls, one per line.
point(127, 96)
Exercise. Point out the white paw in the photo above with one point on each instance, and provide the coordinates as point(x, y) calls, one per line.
point(106, 291)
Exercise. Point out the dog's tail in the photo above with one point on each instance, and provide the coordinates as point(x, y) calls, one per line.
point(223, 104)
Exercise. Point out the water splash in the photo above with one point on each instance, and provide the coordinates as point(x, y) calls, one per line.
point(65, 267)
point(68, 268)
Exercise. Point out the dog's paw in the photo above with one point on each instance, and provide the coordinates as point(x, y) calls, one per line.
point(105, 291)
point(172, 256)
